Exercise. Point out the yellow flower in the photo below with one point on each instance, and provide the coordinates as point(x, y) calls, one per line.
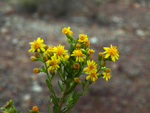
point(86, 42)
point(91, 66)
point(112, 52)
point(53, 63)
point(49, 51)
point(37, 45)
point(66, 31)
point(79, 55)
point(91, 51)
point(60, 52)
point(66, 57)
point(82, 38)
point(106, 76)
point(93, 76)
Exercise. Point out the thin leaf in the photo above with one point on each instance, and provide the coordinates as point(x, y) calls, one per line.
point(50, 86)
point(60, 86)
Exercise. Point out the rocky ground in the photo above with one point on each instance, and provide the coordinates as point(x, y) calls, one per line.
point(126, 26)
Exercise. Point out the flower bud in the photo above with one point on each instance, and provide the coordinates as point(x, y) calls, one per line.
point(91, 56)
point(104, 64)
point(76, 80)
point(104, 58)
point(36, 70)
point(84, 51)
point(78, 45)
point(100, 54)
point(69, 36)
point(46, 47)
point(108, 70)
point(33, 58)
point(37, 55)
point(91, 51)
point(69, 40)
point(52, 72)
point(45, 58)
point(35, 108)
point(76, 65)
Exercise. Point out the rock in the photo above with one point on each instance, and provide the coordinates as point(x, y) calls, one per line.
point(15, 41)
point(93, 40)
point(9, 10)
point(117, 19)
point(36, 87)
point(26, 100)
point(140, 32)
point(26, 97)
point(4, 31)
point(119, 32)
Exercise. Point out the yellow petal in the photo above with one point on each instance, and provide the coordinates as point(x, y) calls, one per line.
point(88, 77)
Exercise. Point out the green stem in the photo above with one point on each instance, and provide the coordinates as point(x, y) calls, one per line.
point(49, 79)
point(85, 89)
point(63, 97)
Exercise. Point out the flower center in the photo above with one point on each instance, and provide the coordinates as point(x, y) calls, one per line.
point(60, 51)
point(92, 74)
point(53, 63)
point(82, 38)
point(78, 53)
point(91, 67)
point(86, 42)
point(107, 74)
point(37, 45)
point(112, 52)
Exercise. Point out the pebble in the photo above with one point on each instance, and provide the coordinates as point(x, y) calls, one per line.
point(140, 32)
point(119, 32)
point(15, 41)
point(4, 31)
point(93, 40)
point(9, 10)
point(36, 87)
point(26, 97)
point(117, 19)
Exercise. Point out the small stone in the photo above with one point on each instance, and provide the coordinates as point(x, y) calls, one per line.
point(94, 40)
point(26, 97)
point(26, 100)
point(140, 32)
point(119, 32)
point(36, 87)
point(4, 31)
point(15, 41)
point(117, 19)
point(9, 10)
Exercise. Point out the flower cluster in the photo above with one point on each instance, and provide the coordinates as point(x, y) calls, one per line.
point(70, 65)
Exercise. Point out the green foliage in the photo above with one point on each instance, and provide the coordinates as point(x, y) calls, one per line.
point(8, 107)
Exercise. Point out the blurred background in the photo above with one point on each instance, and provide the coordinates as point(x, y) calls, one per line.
point(124, 23)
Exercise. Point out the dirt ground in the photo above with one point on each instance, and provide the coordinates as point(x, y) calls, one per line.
point(126, 26)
